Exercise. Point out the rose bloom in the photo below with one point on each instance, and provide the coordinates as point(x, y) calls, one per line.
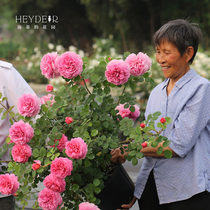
point(49, 88)
point(47, 98)
point(61, 167)
point(48, 65)
point(68, 120)
point(69, 65)
point(88, 206)
point(117, 72)
point(29, 105)
point(20, 133)
point(21, 153)
point(36, 165)
point(62, 143)
point(8, 184)
point(49, 200)
point(54, 183)
point(76, 148)
point(125, 112)
point(139, 64)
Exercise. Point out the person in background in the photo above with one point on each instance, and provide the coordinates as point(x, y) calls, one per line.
point(183, 181)
point(12, 86)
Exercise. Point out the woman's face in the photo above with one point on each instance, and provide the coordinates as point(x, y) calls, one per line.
point(174, 66)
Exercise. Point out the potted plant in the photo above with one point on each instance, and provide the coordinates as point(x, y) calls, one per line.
point(64, 139)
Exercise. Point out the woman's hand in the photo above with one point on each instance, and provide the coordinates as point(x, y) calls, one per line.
point(128, 206)
point(117, 156)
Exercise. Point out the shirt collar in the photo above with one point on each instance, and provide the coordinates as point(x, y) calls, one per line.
point(183, 80)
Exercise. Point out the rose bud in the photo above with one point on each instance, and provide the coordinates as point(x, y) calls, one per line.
point(142, 125)
point(109, 59)
point(69, 120)
point(49, 88)
point(162, 120)
point(36, 165)
point(144, 144)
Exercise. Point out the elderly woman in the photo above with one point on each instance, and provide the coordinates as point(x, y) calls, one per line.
point(182, 182)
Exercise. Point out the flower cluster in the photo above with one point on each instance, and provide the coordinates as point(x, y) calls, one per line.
point(68, 145)
point(20, 134)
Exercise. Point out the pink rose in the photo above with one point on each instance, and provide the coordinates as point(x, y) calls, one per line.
point(21, 133)
point(68, 120)
point(54, 183)
point(28, 105)
point(139, 64)
point(49, 200)
point(61, 167)
point(21, 153)
point(76, 148)
point(8, 184)
point(47, 98)
point(88, 206)
point(117, 72)
point(36, 165)
point(48, 65)
point(49, 88)
point(69, 65)
point(125, 112)
point(62, 143)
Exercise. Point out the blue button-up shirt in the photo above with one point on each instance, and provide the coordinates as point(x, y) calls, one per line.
point(187, 174)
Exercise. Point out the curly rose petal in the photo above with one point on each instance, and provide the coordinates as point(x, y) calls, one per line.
point(117, 72)
point(48, 65)
point(139, 64)
point(21, 153)
point(88, 206)
point(21, 133)
point(8, 184)
point(61, 167)
point(49, 200)
point(69, 65)
point(29, 105)
point(76, 148)
point(54, 183)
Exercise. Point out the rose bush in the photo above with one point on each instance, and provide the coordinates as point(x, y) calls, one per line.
point(67, 146)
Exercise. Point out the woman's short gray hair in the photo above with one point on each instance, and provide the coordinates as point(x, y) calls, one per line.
point(181, 33)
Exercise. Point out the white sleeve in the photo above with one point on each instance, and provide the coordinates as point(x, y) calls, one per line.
point(16, 86)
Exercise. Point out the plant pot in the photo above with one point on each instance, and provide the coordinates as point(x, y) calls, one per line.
point(118, 190)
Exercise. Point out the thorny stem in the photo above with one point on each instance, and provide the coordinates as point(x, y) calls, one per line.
point(121, 94)
point(86, 85)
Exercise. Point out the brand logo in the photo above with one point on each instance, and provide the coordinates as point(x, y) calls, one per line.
point(36, 21)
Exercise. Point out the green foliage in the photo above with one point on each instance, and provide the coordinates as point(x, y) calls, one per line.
point(92, 107)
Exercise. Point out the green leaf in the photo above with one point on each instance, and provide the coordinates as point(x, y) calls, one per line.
point(106, 124)
point(126, 54)
point(37, 132)
point(96, 182)
point(160, 150)
point(74, 88)
point(168, 120)
point(36, 153)
point(75, 187)
point(154, 144)
point(94, 78)
point(85, 59)
point(107, 90)
point(43, 152)
point(168, 154)
point(94, 132)
point(134, 161)
point(166, 143)
point(132, 108)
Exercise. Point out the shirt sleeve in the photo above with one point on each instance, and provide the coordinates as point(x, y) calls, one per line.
point(16, 86)
point(191, 121)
